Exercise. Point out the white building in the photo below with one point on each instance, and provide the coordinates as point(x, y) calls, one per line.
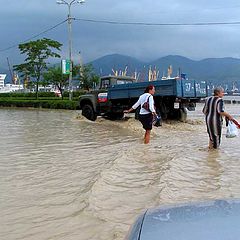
point(11, 88)
point(6, 88)
point(2, 78)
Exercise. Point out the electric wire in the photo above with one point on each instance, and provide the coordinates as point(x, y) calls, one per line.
point(124, 23)
point(34, 36)
point(157, 24)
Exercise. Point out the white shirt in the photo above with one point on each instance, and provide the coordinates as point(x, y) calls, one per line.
point(142, 99)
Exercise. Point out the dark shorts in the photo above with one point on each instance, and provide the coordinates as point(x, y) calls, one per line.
point(146, 120)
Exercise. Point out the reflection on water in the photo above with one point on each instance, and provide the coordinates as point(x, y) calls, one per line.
point(63, 177)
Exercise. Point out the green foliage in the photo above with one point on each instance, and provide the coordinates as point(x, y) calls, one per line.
point(37, 54)
point(54, 76)
point(88, 79)
point(47, 96)
point(76, 94)
point(52, 104)
point(61, 104)
point(26, 95)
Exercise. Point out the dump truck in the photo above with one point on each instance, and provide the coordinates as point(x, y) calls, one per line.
point(173, 97)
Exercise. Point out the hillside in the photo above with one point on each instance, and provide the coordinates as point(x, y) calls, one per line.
point(116, 62)
point(215, 70)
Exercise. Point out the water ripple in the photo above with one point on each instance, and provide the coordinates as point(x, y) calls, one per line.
point(64, 177)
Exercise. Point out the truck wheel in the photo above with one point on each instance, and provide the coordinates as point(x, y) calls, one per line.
point(119, 116)
point(88, 112)
point(114, 115)
point(179, 114)
point(183, 114)
point(163, 111)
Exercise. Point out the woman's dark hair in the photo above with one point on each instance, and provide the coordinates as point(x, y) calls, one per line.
point(148, 88)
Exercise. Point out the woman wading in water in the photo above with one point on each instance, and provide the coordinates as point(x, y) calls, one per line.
point(147, 111)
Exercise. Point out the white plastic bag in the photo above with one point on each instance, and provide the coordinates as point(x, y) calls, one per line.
point(232, 130)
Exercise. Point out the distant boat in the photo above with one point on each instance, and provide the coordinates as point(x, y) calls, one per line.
point(234, 91)
point(178, 77)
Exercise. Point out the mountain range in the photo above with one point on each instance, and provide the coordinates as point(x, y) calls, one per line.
point(215, 70)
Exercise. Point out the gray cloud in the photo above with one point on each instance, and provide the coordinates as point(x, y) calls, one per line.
point(23, 19)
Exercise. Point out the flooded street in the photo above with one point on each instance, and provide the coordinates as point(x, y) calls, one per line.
point(64, 177)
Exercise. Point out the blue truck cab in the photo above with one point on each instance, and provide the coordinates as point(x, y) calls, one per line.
point(116, 93)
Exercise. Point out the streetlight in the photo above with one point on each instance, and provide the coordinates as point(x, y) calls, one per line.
point(69, 4)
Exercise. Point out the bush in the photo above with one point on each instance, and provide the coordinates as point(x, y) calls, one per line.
point(32, 95)
point(61, 104)
point(52, 104)
point(26, 95)
point(76, 94)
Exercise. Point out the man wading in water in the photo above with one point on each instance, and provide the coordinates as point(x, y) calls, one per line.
point(147, 111)
point(214, 111)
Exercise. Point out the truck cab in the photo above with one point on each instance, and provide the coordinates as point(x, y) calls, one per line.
point(108, 81)
point(96, 102)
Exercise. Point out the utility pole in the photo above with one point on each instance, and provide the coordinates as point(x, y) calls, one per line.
point(69, 4)
point(81, 63)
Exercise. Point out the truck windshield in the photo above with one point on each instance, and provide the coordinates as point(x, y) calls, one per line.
point(124, 81)
point(105, 83)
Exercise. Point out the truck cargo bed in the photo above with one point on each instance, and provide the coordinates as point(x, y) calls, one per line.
point(171, 87)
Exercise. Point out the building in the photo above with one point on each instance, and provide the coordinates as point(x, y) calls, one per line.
point(2, 78)
point(6, 88)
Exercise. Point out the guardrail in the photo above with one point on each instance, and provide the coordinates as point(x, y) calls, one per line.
point(231, 99)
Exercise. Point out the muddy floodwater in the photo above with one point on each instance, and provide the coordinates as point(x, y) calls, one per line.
point(64, 177)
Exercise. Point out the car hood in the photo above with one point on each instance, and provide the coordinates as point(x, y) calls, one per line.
point(213, 220)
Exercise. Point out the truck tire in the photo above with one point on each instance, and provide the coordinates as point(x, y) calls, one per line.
point(179, 114)
point(163, 111)
point(183, 114)
point(88, 112)
point(114, 115)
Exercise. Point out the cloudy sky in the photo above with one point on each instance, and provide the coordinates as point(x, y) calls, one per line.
point(23, 19)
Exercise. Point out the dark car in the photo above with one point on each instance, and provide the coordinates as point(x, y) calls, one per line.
point(213, 220)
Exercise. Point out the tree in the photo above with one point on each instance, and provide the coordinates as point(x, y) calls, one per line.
point(54, 76)
point(24, 73)
point(37, 53)
point(88, 79)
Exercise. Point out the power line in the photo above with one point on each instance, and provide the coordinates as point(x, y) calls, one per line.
point(34, 36)
point(157, 24)
point(125, 23)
